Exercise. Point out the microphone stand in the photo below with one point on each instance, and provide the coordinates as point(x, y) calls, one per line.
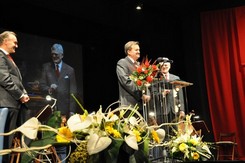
point(153, 98)
point(48, 109)
point(49, 98)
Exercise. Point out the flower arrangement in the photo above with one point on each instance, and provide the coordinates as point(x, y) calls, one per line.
point(97, 135)
point(144, 73)
point(100, 136)
point(105, 133)
point(188, 146)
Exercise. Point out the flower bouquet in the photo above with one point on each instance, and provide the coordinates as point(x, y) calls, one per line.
point(188, 146)
point(144, 73)
point(106, 134)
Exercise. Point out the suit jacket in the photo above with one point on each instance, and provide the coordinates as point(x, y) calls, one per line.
point(129, 93)
point(179, 100)
point(11, 87)
point(66, 83)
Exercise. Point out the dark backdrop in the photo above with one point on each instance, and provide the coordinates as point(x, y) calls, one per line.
point(167, 35)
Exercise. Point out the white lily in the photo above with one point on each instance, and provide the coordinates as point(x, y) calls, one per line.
point(161, 134)
point(75, 123)
point(97, 143)
point(112, 118)
point(29, 128)
point(205, 147)
point(133, 121)
point(98, 117)
point(131, 141)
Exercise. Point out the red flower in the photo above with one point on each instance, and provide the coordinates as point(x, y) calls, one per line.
point(146, 62)
point(146, 71)
point(154, 73)
point(154, 67)
point(139, 69)
point(149, 79)
point(139, 82)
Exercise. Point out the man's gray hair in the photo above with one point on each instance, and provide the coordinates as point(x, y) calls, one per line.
point(128, 46)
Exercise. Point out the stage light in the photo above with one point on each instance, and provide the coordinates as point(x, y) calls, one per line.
point(139, 6)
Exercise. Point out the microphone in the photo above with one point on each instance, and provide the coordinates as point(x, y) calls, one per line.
point(164, 60)
point(49, 98)
point(159, 75)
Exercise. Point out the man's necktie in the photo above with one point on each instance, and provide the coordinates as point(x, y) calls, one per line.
point(57, 71)
point(10, 58)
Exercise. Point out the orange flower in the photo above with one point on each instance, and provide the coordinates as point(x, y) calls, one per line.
point(195, 156)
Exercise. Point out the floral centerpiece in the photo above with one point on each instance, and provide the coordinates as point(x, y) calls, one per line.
point(186, 145)
point(98, 136)
point(144, 73)
point(105, 134)
point(102, 136)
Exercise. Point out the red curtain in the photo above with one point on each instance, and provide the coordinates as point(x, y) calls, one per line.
point(223, 43)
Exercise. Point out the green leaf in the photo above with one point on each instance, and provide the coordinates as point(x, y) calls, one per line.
point(109, 155)
point(112, 151)
point(142, 154)
point(36, 143)
point(95, 158)
point(55, 120)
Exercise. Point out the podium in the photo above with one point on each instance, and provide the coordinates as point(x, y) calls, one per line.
point(175, 97)
point(180, 84)
point(167, 97)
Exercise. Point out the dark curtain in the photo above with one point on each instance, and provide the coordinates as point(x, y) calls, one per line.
point(223, 41)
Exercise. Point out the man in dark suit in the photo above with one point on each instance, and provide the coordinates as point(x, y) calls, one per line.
point(170, 103)
point(58, 80)
point(13, 95)
point(167, 103)
point(59, 83)
point(130, 94)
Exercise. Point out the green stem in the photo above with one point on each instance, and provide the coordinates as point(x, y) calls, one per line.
point(136, 107)
point(84, 110)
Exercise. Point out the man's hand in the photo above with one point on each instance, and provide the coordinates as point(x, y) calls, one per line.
point(146, 98)
point(25, 98)
point(52, 88)
point(165, 92)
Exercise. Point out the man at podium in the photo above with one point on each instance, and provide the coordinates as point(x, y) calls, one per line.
point(168, 100)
